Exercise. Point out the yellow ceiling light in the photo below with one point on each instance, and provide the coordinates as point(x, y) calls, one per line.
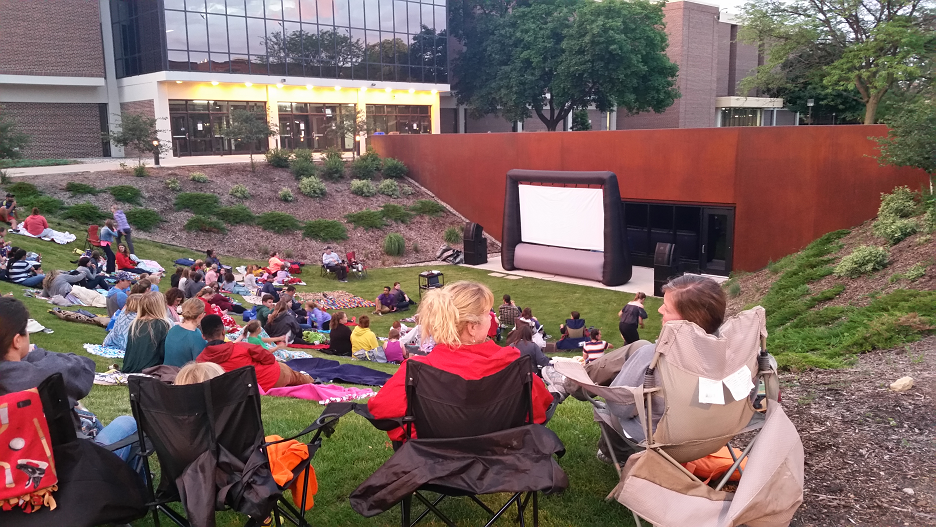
point(309, 86)
point(178, 82)
point(337, 88)
point(279, 85)
point(248, 84)
point(388, 90)
point(214, 83)
point(412, 90)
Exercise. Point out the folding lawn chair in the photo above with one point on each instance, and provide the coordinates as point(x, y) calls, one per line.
point(95, 487)
point(355, 266)
point(209, 442)
point(93, 239)
point(475, 437)
point(728, 366)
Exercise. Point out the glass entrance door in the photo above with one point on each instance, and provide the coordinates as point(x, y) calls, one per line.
point(200, 137)
point(180, 143)
point(717, 241)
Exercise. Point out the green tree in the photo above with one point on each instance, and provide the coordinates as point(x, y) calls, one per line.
point(580, 121)
point(552, 57)
point(429, 51)
point(139, 133)
point(349, 124)
point(250, 128)
point(911, 141)
point(12, 141)
point(876, 45)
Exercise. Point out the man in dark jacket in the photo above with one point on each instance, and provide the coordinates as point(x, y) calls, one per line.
point(194, 285)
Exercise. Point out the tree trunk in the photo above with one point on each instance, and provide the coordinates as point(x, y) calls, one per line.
point(253, 168)
point(871, 110)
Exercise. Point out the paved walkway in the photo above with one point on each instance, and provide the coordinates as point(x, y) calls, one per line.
point(641, 278)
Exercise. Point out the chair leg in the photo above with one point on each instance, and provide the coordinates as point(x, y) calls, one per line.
point(737, 464)
point(516, 497)
point(431, 506)
point(481, 504)
point(636, 519)
point(405, 507)
point(535, 509)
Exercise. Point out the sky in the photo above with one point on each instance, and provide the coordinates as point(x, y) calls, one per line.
point(731, 5)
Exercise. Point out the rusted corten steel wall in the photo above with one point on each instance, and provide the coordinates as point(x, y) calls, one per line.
point(789, 185)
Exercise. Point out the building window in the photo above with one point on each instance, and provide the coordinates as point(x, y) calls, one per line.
point(740, 117)
point(198, 127)
point(309, 125)
point(137, 35)
point(393, 119)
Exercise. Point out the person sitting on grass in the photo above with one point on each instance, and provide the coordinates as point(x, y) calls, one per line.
point(507, 313)
point(22, 271)
point(522, 339)
point(8, 211)
point(211, 275)
point(276, 264)
point(124, 262)
point(194, 285)
point(176, 277)
point(250, 279)
point(58, 283)
point(36, 224)
point(339, 336)
point(146, 344)
point(184, 279)
point(232, 286)
point(184, 341)
point(385, 303)
point(456, 317)
point(317, 316)
point(269, 289)
point(211, 259)
point(267, 303)
point(24, 366)
point(595, 347)
point(252, 335)
point(333, 264)
point(393, 348)
point(573, 332)
point(233, 355)
point(174, 299)
point(364, 342)
point(121, 320)
point(400, 297)
point(90, 278)
point(116, 296)
point(282, 322)
point(289, 293)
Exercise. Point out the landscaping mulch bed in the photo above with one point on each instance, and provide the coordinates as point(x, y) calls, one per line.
point(870, 452)
point(264, 186)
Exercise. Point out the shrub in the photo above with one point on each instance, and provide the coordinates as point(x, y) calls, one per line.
point(45, 204)
point(236, 215)
point(144, 219)
point(394, 244)
point(389, 187)
point(198, 177)
point(80, 188)
point(21, 189)
point(863, 260)
point(397, 213)
point(288, 254)
point(367, 219)
point(333, 153)
point(406, 190)
point(205, 224)
point(302, 168)
point(394, 168)
point(303, 154)
point(85, 213)
point(452, 235)
point(427, 207)
point(198, 203)
point(278, 222)
point(312, 187)
point(915, 273)
point(140, 170)
point(325, 230)
point(277, 157)
point(126, 194)
point(894, 229)
point(734, 289)
point(372, 158)
point(363, 187)
point(333, 169)
point(415, 248)
point(173, 184)
point(286, 195)
point(362, 169)
point(240, 192)
point(898, 204)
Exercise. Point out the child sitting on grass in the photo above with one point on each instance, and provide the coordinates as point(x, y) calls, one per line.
point(252, 331)
point(393, 349)
point(595, 348)
point(211, 276)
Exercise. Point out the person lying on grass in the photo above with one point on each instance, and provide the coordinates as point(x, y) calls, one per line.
point(233, 355)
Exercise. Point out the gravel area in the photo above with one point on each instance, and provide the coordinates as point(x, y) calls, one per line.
point(422, 233)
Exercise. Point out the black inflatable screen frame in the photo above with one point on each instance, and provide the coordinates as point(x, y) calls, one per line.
point(617, 267)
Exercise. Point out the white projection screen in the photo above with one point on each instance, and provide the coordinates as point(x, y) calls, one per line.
point(562, 216)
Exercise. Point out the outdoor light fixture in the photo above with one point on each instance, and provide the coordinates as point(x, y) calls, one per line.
point(412, 90)
point(278, 85)
point(388, 90)
point(337, 88)
point(248, 84)
point(214, 83)
point(309, 86)
point(435, 92)
point(363, 89)
point(156, 152)
point(178, 82)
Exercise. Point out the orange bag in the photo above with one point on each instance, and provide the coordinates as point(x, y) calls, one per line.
point(283, 459)
point(714, 466)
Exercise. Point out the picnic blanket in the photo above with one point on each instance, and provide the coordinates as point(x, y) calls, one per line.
point(335, 300)
point(323, 393)
point(58, 237)
point(310, 346)
point(331, 370)
point(252, 299)
point(104, 351)
point(111, 378)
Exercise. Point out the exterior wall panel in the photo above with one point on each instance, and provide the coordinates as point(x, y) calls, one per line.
point(57, 130)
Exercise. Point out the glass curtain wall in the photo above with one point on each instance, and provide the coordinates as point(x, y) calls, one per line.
point(306, 125)
point(376, 40)
point(198, 127)
point(137, 30)
point(393, 119)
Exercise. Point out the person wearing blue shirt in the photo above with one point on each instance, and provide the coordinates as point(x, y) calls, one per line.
point(316, 316)
point(117, 295)
point(184, 342)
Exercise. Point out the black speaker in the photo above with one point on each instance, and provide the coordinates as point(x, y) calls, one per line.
point(665, 265)
point(475, 244)
point(472, 232)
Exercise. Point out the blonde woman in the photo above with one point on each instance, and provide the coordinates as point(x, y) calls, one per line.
point(196, 373)
point(184, 342)
point(146, 344)
point(117, 338)
point(457, 318)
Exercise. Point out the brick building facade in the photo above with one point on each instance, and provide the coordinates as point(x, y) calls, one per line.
point(58, 130)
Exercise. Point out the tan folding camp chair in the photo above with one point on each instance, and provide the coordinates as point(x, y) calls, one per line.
point(689, 363)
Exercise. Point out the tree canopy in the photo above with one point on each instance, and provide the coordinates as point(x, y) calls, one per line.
point(138, 132)
point(911, 141)
point(859, 49)
point(249, 127)
point(552, 57)
point(12, 141)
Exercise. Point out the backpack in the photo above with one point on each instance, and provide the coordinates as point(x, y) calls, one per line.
point(27, 468)
point(294, 268)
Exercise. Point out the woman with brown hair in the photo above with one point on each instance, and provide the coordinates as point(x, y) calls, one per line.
point(174, 299)
point(146, 344)
point(282, 322)
point(631, 316)
point(124, 262)
point(522, 339)
point(339, 336)
point(457, 317)
point(184, 341)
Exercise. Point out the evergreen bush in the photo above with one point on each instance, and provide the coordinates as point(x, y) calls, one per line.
point(427, 207)
point(198, 177)
point(277, 157)
point(140, 170)
point(362, 169)
point(363, 187)
point(21, 189)
point(325, 230)
point(394, 244)
point(372, 158)
point(367, 219)
point(894, 230)
point(240, 192)
point(144, 219)
point(303, 154)
point(88, 213)
point(389, 187)
point(901, 203)
point(205, 224)
point(452, 235)
point(199, 203)
point(334, 168)
point(397, 213)
point(312, 187)
point(863, 260)
point(303, 168)
point(126, 194)
point(406, 190)
point(173, 184)
point(45, 204)
point(80, 188)
point(394, 169)
point(333, 153)
point(278, 222)
point(286, 195)
point(236, 215)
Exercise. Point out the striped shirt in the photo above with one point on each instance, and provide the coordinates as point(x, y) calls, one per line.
point(19, 271)
point(594, 349)
point(121, 220)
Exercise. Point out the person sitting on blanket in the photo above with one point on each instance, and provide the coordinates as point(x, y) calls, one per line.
point(275, 264)
point(36, 224)
point(233, 355)
point(317, 317)
point(268, 289)
point(90, 278)
point(573, 332)
point(199, 265)
point(522, 339)
point(22, 271)
point(364, 340)
point(24, 366)
point(385, 302)
point(174, 299)
point(595, 347)
point(124, 262)
point(283, 322)
point(393, 348)
point(250, 279)
point(232, 286)
point(289, 293)
point(211, 259)
point(176, 276)
point(339, 336)
point(252, 335)
point(211, 275)
point(122, 319)
point(117, 296)
point(456, 316)
point(415, 341)
point(58, 283)
point(223, 302)
point(194, 285)
point(185, 278)
point(146, 343)
point(184, 341)
point(333, 263)
point(267, 303)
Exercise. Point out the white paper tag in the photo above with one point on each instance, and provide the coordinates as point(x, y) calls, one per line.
point(710, 392)
point(739, 383)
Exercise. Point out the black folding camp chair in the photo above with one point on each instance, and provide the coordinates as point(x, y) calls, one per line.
point(209, 442)
point(480, 438)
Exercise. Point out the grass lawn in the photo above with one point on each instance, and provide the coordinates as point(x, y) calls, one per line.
point(23, 163)
point(357, 450)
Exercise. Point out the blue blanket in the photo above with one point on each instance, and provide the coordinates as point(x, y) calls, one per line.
point(331, 370)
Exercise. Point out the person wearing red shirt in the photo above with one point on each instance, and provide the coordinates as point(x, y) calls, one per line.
point(35, 224)
point(124, 262)
point(233, 355)
point(458, 318)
